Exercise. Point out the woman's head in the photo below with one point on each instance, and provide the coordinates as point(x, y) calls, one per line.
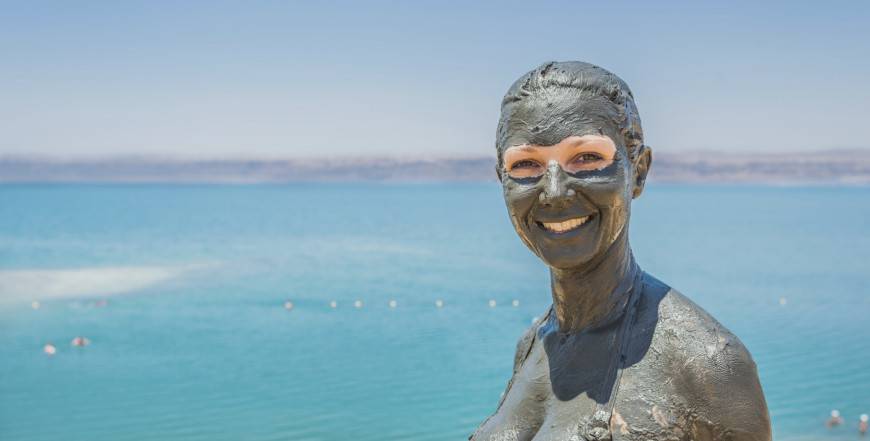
point(571, 158)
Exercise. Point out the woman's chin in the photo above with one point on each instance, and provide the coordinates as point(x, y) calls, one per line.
point(565, 261)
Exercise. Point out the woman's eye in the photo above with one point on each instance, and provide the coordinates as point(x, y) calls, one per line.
point(587, 157)
point(524, 164)
point(587, 161)
point(525, 168)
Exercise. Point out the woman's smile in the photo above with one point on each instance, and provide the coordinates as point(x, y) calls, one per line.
point(563, 227)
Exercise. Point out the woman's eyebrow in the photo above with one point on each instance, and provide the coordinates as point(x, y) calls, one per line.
point(595, 144)
point(585, 140)
point(524, 148)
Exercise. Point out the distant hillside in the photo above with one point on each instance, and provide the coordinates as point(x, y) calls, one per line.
point(825, 167)
point(830, 167)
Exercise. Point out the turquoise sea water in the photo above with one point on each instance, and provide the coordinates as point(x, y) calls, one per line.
point(199, 346)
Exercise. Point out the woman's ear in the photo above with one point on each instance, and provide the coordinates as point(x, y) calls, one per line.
point(498, 172)
point(641, 169)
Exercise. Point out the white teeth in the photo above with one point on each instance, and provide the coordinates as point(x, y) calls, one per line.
point(568, 225)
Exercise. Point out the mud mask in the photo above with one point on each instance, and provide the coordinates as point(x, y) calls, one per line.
point(571, 210)
point(572, 203)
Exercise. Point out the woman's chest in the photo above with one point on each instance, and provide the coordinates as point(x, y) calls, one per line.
point(621, 406)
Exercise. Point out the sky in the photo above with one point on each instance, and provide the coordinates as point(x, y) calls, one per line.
point(222, 79)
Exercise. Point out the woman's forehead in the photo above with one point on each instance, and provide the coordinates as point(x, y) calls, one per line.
point(556, 136)
point(541, 121)
point(572, 141)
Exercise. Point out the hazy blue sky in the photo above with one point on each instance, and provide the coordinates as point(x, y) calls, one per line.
point(267, 79)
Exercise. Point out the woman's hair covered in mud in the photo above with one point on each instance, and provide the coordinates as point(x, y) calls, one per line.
point(576, 94)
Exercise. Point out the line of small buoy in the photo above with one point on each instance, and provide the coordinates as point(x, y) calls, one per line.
point(50, 349)
point(288, 305)
point(358, 304)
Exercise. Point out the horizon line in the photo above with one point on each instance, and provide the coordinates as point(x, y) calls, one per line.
point(402, 158)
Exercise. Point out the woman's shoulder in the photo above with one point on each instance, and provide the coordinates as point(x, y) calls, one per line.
point(675, 312)
point(708, 366)
point(676, 326)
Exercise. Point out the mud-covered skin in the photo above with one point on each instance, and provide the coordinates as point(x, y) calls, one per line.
point(684, 377)
point(619, 355)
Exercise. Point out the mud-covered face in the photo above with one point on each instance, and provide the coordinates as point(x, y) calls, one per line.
point(570, 201)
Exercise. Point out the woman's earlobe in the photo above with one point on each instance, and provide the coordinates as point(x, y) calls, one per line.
point(641, 170)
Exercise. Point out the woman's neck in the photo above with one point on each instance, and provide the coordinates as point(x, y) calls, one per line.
point(595, 294)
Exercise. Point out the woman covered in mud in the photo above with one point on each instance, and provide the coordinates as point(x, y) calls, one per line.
point(619, 355)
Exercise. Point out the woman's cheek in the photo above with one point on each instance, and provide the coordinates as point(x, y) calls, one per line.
point(519, 200)
point(610, 196)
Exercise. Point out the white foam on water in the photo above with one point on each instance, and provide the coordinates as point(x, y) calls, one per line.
point(40, 284)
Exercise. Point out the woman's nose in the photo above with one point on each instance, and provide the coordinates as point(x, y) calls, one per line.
point(556, 191)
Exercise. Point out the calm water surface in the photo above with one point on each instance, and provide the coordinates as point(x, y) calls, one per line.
point(199, 347)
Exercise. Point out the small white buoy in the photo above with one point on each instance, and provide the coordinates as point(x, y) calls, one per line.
point(49, 349)
point(80, 342)
point(393, 304)
point(358, 304)
point(333, 304)
point(492, 303)
point(534, 319)
point(288, 305)
point(515, 303)
point(439, 303)
point(782, 301)
point(35, 305)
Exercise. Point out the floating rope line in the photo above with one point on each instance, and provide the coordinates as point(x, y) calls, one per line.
point(393, 303)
